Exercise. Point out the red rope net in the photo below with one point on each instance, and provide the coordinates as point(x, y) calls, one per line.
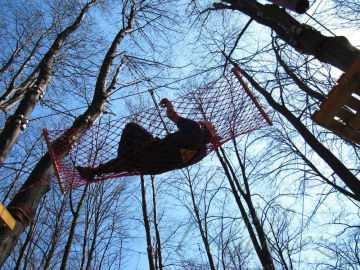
point(222, 102)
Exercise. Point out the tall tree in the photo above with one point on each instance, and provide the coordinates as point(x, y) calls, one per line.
point(147, 226)
point(32, 190)
point(18, 121)
point(336, 51)
point(202, 222)
point(250, 216)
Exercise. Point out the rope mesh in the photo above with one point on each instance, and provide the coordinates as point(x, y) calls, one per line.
point(223, 102)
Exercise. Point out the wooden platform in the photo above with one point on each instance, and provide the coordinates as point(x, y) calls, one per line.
point(6, 218)
point(340, 112)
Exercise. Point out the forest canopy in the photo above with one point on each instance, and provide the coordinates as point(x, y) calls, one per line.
point(281, 197)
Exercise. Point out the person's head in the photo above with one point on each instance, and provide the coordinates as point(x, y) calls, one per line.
point(210, 132)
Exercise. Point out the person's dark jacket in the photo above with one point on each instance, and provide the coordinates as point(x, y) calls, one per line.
point(177, 150)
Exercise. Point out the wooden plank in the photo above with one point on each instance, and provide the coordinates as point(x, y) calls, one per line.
point(357, 90)
point(345, 114)
point(341, 103)
point(338, 96)
point(6, 217)
point(354, 123)
point(349, 133)
point(336, 126)
point(353, 103)
point(344, 131)
point(354, 69)
point(353, 73)
point(356, 138)
point(331, 105)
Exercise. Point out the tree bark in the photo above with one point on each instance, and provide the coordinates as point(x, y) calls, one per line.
point(336, 51)
point(29, 238)
point(5, 102)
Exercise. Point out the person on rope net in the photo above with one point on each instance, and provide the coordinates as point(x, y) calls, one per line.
point(140, 152)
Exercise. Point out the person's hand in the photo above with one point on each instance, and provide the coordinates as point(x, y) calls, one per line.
point(170, 112)
point(165, 103)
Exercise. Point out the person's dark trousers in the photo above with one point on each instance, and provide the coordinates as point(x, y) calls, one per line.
point(132, 139)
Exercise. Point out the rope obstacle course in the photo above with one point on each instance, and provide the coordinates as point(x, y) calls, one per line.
point(223, 102)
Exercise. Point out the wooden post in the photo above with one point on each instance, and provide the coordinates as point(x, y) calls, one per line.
point(6, 217)
point(235, 70)
point(52, 157)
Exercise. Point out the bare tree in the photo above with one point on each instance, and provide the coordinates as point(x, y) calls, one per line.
point(336, 51)
point(44, 170)
point(158, 252)
point(76, 214)
point(150, 248)
point(202, 222)
point(344, 254)
point(252, 222)
point(18, 121)
point(59, 223)
point(348, 178)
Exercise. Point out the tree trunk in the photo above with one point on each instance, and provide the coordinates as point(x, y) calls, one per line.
point(56, 234)
point(261, 248)
point(203, 233)
point(18, 121)
point(150, 248)
point(37, 184)
point(156, 225)
point(5, 102)
point(336, 51)
point(71, 235)
point(29, 238)
point(258, 226)
point(350, 180)
point(84, 242)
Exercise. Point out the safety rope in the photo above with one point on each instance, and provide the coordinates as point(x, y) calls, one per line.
point(151, 91)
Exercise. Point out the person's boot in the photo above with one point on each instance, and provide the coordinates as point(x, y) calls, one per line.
point(86, 173)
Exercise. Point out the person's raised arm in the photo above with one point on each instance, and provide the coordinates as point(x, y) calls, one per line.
point(170, 112)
